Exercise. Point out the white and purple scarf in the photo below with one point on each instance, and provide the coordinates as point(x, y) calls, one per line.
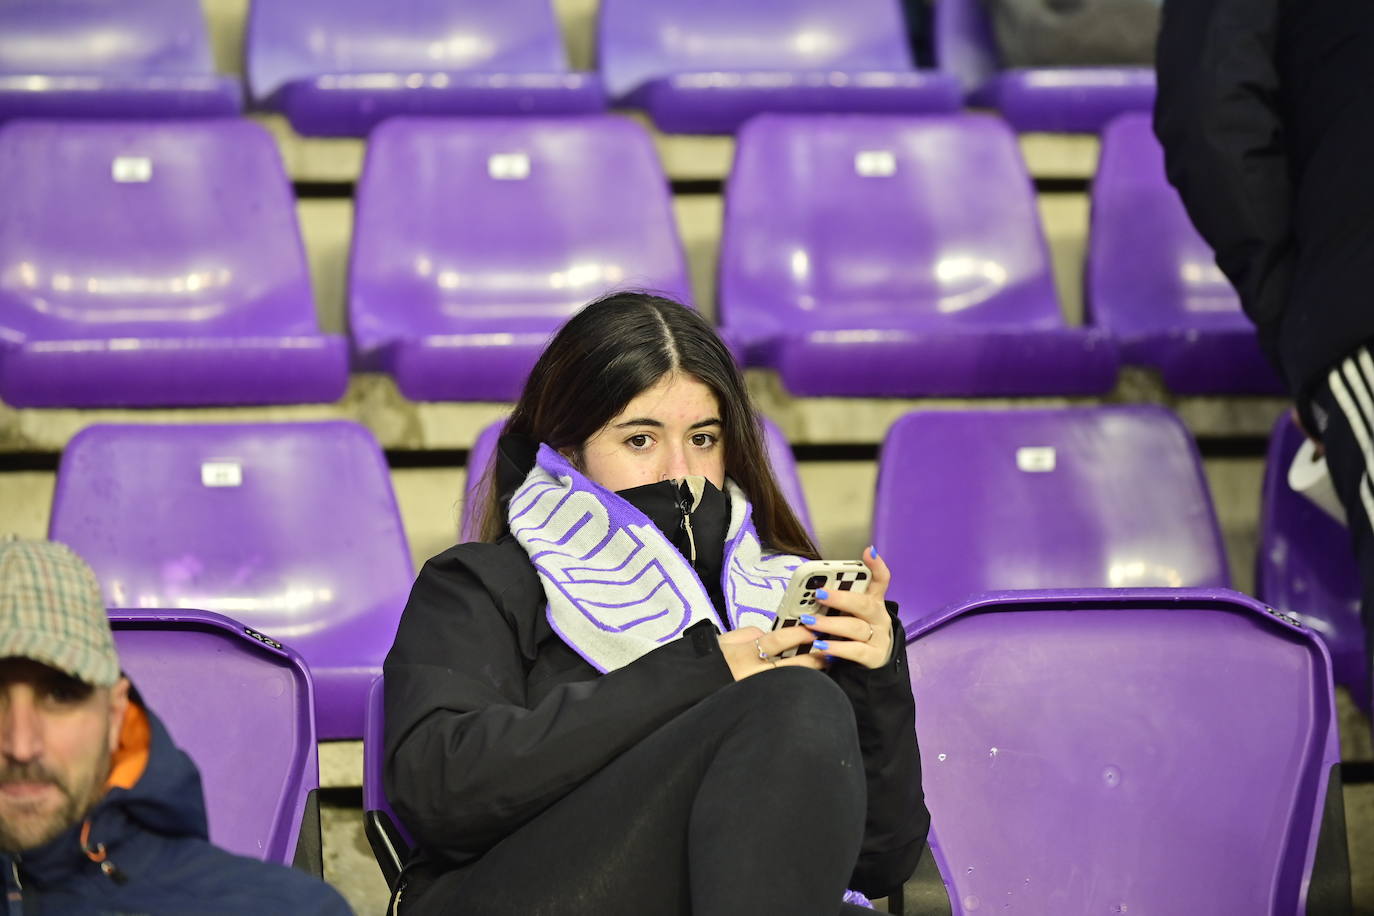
point(616, 587)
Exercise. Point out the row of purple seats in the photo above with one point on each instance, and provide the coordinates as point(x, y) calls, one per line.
point(339, 68)
point(864, 255)
point(1079, 745)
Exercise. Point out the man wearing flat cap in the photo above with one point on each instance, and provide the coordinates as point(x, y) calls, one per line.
point(99, 811)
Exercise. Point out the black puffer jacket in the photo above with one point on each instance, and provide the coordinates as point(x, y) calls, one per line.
point(1266, 114)
point(491, 717)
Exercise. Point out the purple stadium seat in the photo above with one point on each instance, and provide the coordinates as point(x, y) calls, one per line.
point(240, 705)
point(338, 67)
point(707, 66)
point(475, 239)
point(1134, 751)
point(1060, 99)
point(779, 454)
point(1153, 283)
point(391, 842)
point(154, 263)
point(873, 255)
point(1306, 566)
point(292, 528)
point(103, 59)
point(1097, 497)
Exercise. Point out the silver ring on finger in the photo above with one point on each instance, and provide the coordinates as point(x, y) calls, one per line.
point(871, 632)
point(763, 656)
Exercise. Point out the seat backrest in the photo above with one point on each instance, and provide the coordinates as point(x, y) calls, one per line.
point(374, 791)
point(1097, 497)
point(1144, 256)
point(303, 39)
point(479, 465)
point(506, 225)
point(1158, 751)
point(292, 528)
point(1305, 565)
point(89, 37)
point(154, 228)
point(241, 706)
point(961, 33)
point(837, 217)
point(641, 40)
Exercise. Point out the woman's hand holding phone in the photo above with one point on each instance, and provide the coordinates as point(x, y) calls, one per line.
point(863, 622)
point(744, 650)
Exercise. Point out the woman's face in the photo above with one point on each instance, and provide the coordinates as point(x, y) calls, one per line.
point(669, 431)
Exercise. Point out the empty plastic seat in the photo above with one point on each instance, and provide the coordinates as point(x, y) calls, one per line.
point(475, 239)
point(109, 59)
point(154, 263)
point(873, 255)
point(1099, 497)
point(337, 67)
point(240, 705)
point(1060, 99)
point(479, 462)
point(291, 528)
point(1152, 751)
point(390, 841)
point(706, 67)
point(1153, 283)
point(1306, 566)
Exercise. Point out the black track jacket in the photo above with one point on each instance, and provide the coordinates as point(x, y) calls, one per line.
point(1266, 113)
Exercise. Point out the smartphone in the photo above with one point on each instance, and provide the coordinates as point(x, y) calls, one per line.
point(800, 597)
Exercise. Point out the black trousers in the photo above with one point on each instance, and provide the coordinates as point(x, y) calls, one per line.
point(1343, 411)
point(752, 801)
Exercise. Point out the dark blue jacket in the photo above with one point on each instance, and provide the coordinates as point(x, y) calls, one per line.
point(158, 859)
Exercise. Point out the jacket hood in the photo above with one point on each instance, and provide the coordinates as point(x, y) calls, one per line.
point(165, 798)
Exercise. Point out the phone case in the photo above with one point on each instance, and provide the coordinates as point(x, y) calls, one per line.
point(800, 597)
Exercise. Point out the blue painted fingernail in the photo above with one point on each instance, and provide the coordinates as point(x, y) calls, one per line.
point(873, 551)
point(822, 594)
point(807, 619)
point(829, 658)
point(821, 644)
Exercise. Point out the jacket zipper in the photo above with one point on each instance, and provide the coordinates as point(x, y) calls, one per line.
point(14, 896)
point(684, 505)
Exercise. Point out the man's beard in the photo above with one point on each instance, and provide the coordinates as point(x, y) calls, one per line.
point(22, 829)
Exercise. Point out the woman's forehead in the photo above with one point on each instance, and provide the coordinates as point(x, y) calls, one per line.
point(674, 396)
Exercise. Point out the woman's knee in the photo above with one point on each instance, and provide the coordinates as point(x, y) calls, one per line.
point(792, 703)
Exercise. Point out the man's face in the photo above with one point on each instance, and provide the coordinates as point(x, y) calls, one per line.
point(56, 737)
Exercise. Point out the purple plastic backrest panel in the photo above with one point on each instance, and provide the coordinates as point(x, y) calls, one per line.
point(1085, 752)
point(341, 67)
point(475, 239)
point(641, 40)
point(1096, 497)
point(918, 235)
point(241, 708)
point(374, 750)
point(291, 528)
point(779, 455)
point(141, 261)
point(95, 58)
point(1152, 281)
point(1306, 566)
point(707, 67)
point(1059, 99)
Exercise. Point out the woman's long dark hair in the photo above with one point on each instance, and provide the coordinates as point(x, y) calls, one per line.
point(609, 353)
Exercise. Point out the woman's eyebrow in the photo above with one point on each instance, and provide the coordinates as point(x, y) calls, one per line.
point(646, 421)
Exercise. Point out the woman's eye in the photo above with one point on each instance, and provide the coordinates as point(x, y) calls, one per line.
point(640, 441)
point(704, 440)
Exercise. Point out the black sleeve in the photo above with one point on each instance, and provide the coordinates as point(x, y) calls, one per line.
point(467, 759)
point(1218, 117)
point(885, 712)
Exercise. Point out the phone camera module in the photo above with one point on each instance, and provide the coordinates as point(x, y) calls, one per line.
point(815, 582)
